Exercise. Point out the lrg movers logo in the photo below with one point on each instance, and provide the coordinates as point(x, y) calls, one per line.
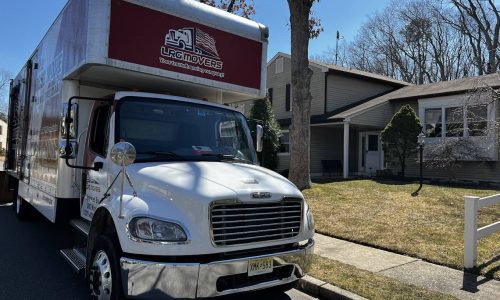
point(192, 49)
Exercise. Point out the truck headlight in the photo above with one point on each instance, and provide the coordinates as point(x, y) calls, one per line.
point(155, 230)
point(310, 219)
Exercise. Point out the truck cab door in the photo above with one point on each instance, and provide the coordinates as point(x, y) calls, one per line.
point(95, 182)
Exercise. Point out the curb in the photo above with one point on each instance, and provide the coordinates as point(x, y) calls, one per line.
point(323, 290)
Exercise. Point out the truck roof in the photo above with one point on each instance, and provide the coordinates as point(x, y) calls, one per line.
point(123, 44)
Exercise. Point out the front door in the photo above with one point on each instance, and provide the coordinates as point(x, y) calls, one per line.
point(371, 153)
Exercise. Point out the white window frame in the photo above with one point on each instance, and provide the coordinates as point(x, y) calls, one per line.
point(449, 102)
point(281, 133)
point(488, 141)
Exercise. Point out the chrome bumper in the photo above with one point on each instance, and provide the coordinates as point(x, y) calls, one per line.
point(153, 280)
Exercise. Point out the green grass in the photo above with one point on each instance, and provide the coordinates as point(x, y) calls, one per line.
point(367, 284)
point(384, 214)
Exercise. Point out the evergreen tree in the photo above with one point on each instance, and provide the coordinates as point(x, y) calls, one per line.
point(400, 136)
point(262, 110)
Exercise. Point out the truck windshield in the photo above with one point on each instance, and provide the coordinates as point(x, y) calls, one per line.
point(169, 130)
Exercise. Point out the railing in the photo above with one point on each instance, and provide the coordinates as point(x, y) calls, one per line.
point(471, 233)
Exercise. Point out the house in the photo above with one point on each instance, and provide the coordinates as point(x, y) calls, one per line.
point(334, 89)
point(457, 114)
point(3, 131)
point(350, 108)
point(3, 138)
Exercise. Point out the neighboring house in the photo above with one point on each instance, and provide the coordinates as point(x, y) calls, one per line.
point(350, 108)
point(452, 112)
point(3, 131)
point(334, 89)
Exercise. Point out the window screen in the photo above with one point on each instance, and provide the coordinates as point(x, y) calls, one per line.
point(433, 122)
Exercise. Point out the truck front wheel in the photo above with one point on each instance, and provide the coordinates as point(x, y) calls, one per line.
point(22, 209)
point(104, 276)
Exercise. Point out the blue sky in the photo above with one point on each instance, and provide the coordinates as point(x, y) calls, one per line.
point(24, 22)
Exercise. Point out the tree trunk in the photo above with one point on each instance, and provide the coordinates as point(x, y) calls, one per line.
point(299, 171)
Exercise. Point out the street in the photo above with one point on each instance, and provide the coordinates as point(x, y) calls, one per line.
point(32, 268)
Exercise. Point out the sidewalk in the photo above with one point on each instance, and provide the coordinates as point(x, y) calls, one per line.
point(408, 269)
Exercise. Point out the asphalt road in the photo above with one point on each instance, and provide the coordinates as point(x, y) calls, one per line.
point(32, 268)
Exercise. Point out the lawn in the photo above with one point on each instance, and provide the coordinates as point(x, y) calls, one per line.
point(367, 284)
point(384, 214)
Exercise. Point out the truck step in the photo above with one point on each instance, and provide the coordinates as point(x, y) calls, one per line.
point(81, 225)
point(75, 257)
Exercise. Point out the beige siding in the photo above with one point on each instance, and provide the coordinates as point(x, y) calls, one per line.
point(317, 92)
point(343, 90)
point(279, 81)
point(376, 117)
point(326, 143)
point(413, 103)
point(467, 171)
point(283, 160)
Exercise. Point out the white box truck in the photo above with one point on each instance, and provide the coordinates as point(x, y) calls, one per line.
point(118, 125)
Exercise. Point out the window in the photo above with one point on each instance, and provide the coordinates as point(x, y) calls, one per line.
point(477, 120)
point(456, 121)
point(279, 65)
point(288, 98)
point(100, 130)
point(285, 141)
point(454, 117)
point(269, 95)
point(433, 124)
point(372, 142)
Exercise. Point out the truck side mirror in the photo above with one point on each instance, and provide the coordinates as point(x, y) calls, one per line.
point(259, 138)
point(123, 154)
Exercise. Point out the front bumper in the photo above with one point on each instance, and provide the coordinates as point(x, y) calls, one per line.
point(153, 280)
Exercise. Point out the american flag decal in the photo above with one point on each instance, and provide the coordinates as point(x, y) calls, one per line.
point(206, 43)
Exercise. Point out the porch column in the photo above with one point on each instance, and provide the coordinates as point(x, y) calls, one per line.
point(345, 168)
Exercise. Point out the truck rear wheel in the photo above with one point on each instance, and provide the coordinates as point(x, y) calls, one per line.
point(22, 209)
point(104, 276)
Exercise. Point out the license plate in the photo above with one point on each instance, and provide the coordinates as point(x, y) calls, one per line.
point(260, 266)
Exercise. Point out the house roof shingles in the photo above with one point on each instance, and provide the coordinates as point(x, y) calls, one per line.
point(425, 91)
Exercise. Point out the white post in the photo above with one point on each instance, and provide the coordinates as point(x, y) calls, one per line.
point(346, 150)
point(470, 231)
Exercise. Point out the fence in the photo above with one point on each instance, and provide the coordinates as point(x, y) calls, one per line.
point(471, 233)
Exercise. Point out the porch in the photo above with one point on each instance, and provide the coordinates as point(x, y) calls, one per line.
point(342, 149)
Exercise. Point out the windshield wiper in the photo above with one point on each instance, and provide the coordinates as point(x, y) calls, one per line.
point(227, 157)
point(166, 154)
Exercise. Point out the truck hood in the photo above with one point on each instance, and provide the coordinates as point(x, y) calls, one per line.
point(214, 179)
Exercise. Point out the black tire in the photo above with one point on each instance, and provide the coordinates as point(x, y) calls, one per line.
point(98, 275)
point(22, 209)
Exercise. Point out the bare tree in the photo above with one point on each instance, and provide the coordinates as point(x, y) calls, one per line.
point(244, 8)
point(303, 27)
point(480, 21)
point(5, 77)
point(419, 41)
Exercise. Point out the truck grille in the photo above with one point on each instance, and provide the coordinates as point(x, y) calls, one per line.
point(243, 223)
